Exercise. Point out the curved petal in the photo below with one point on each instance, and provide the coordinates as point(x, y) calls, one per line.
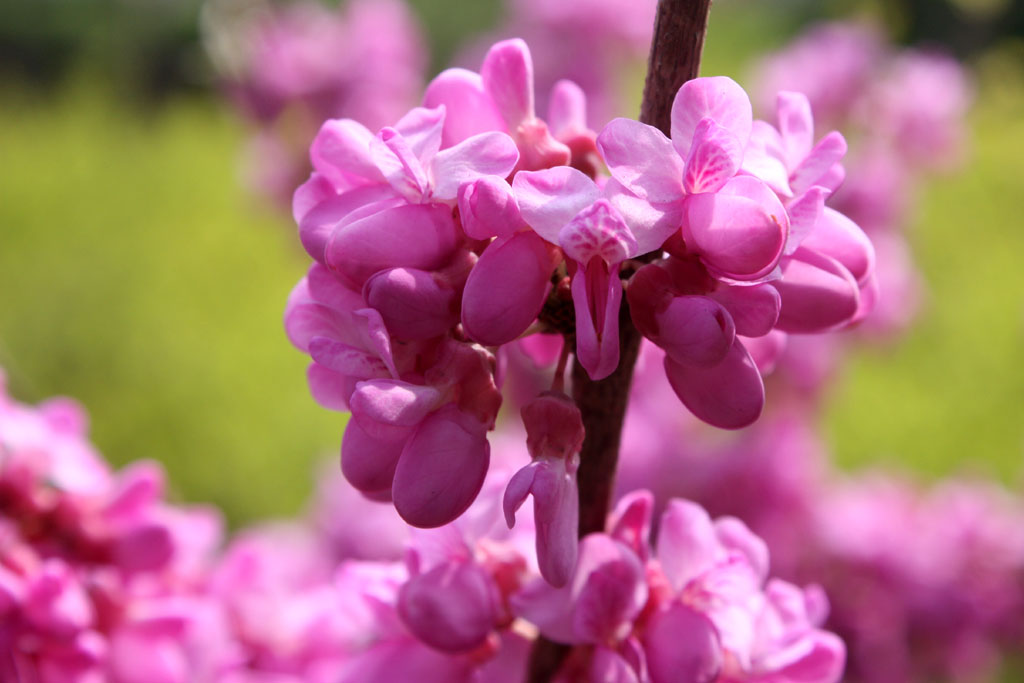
point(818, 293)
point(392, 403)
point(329, 388)
point(412, 235)
point(687, 544)
point(715, 157)
point(642, 159)
point(441, 469)
point(729, 395)
point(567, 109)
point(651, 224)
point(316, 189)
point(837, 236)
point(764, 158)
point(682, 644)
point(369, 463)
point(452, 607)
point(341, 153)
point(556, 513)
point(597, 296)
point(396, 160)
point(484, 154)
point(695, 330)
point(507, 288)
point(739, 232)
point(550, 198)
point(421, 128)
point(469, 110)
point(487, 208)
point(719, 98)
point(320, 221)
point(411, 302)
point(754, 309)
point(804, 215)
point(630, 521)
point(507, 76)
point(796, 123)
point(597, 232)
point(819, 164)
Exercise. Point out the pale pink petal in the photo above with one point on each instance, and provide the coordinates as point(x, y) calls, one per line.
point(754, 309)
point(487, 208)
point(818, 657)
point(469, 110)
point(341, 153)
point(441, 468)
point(399, 164)
point(687, 544)
point(804, 215)
point(681, 644)
point(819, 164)
point(392, 403)
point(611, 597)
point(642, 159)
point(421, 128)
point(729, 395)
point(765, 159)
point(485, 154)
point(346, 359)
point(411, 302)
point(695, 330)
point(507, 288)
point(596, 296)
point(452, 607)
point(736, 536)
point(714, 158)
point(796, 123)
point(818, 293)
point(719, 98)
point(551, 198)
point(507, 75)
point(650, 224)
point(740, 231)
point(414, 236)
point(567, 109)
point(837, 236)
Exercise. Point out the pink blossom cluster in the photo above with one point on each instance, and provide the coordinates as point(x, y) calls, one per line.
point(287, 67)
point(473, 223)
point(100, 580)
point(905, 111)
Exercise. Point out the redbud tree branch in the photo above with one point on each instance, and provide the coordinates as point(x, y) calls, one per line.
point(679, 29)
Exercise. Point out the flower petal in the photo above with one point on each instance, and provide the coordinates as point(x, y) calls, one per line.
point(642, 158)
point(484, 154)
point(837, 236)
point(567, 109)
point(719, 98)
point(796, 124)
point(818, 293)
point(487, 208)
point(367, 462)
point(441, 469)
point(754, 309)
point(452, 607)
point(729, 395)
point(819, 164)
point(469, 110)
point(715, 157)
point(687, 544)
point(681, 644)
point(551, 198)
point(507, 75)
point(341, 153)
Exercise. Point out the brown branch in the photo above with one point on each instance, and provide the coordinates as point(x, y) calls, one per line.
point(679, 30)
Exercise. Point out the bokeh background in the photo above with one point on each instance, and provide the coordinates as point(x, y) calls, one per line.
point(139, 275)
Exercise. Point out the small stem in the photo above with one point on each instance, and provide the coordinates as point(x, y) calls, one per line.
point(679, 30)
point(558, 384)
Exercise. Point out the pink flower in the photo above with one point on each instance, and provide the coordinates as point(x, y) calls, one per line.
point(554, 429)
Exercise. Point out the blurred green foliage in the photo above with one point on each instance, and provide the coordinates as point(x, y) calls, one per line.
point(138, 277)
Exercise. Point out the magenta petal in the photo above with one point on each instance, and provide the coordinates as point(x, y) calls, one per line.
point(316, 189)
point(681, 644)
point(551, 198)
point(507, 75)
point(608, 666)
point(506, 288)
point(642, 158)
point(441, 469)
point(764, 158)
point(469, 110)
point(391, 402)
point(819, 163)
point(650, 224)
point(567, 109)
point(611, 597)
point(411, 303)
point(714, 158)
point(421, 128)
point(740, 231)
point(804, 214)
point(818, 293)
point(597, 296)
point(818, 657)
point(144, 547)
point(319, 222)
point(695, 330)
point(341, 153)
point(369, 463)
point(729, 395)
point(630, 521)
point(484, 154)
point(736, 536)
point(719, 98)
point(556, 513)
point(347, 360)
point(414, 236)
point(754, 309)
point(329, 388)
point(597, 231)
point(687, 543)
point(399, 164)
point(452, 607)
point(487, 208)
point(837, 236)
point(517, 491)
